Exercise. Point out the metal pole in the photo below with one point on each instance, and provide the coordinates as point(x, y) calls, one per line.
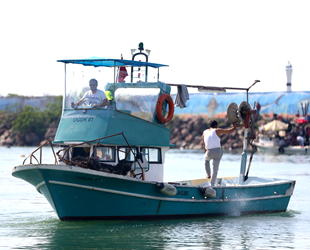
point(65, 97)
point(114, 84)
point(158, 75)
point(243, 157)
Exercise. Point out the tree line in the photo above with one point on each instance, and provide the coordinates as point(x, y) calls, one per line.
point(27, 119)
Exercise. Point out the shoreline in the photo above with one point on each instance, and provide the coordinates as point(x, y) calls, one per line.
point(185, 132)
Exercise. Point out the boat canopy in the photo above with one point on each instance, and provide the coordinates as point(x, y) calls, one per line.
point(105, 62)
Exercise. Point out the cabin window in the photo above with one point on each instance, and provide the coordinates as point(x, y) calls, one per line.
point(140, 102)
point(125, 153)
point(152, 155)
point(105, 154)
point(77, 84)
point(63, 153)
point(80, 151)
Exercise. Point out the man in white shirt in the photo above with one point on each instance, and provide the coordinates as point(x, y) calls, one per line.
point(95, 98)
point(212, 147)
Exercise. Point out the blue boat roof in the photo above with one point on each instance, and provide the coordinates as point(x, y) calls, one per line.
point(105, 62)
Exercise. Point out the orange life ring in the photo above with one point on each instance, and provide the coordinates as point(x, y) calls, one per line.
point(160, 108)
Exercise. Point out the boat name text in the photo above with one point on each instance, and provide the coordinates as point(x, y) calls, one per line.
point(89, 179)
point(185, 193)
point(84, 119)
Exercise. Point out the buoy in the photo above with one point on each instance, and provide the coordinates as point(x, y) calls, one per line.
point(22, 155)
point(166, 188)
point(160, 106)
point(208, 191)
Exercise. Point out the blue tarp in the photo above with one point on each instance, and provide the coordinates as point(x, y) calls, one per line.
point(104, 62)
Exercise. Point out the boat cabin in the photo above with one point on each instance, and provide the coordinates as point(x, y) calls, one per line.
point(125, 136)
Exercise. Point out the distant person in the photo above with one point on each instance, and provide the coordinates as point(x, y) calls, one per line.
point(261, 128)
point(300, 139)
point(212, 148)
point(282, 144)
point(302, 131)
point(307, 134)
point(95, 97)
point(258, 107)
point(293, 136)
point(289, 139)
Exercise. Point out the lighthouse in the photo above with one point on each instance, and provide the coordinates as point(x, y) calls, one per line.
point(289, 70)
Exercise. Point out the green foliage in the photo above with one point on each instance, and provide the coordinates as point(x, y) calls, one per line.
point(29, 120)
point(10, 113)
point(52, 111)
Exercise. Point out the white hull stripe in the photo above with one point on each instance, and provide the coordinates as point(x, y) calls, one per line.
point(39, 185)
point(163, 198)
point(109, 175)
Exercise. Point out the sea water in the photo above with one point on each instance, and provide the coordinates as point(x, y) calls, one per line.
point(27, 221)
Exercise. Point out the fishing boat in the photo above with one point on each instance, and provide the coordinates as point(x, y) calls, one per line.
point(110, 159)
point(273, 140)
point(271, 144)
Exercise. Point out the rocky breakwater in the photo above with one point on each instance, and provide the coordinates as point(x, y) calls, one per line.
point(29, 125)
point(8, 137)
point(186, 132)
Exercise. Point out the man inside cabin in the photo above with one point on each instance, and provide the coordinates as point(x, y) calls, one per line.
point(95, 98)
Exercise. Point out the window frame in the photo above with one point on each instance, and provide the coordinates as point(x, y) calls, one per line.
point(159, 161)
point(113, 152)
point(159, 155)
point(119, 148)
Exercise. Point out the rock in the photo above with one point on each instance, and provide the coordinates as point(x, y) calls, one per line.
point(7, 138)
point(175, 131)
point(5, 125)
point(190, 126)
point(197, 147)
point(180, 144)
point(195, 134)
point(9, 141)
point(237, 145)
point(50, 134)
point(6, 134)
point(32, 139)
point(2, 130)
point(189, 138)
point(173, 140)
point(186, 132)
point(224, 139)
point(20, 140)
point(10, 138)
point(200, 125)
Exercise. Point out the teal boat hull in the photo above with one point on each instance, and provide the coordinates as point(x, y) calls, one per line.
point(82, 194)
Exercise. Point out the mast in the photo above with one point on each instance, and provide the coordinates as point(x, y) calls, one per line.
point(247, 114)
point(146, 59)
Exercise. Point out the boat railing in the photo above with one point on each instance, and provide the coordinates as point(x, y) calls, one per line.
point(64, 157)
point(32, 156)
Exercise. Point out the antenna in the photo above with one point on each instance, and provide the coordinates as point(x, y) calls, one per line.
point(141, 48)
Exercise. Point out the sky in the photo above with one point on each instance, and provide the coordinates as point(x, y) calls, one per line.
point(213, 43)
